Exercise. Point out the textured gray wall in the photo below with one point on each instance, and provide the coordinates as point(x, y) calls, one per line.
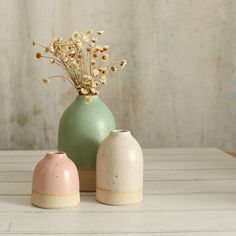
point(177, 91)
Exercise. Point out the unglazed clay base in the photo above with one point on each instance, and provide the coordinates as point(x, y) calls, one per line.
point(50, 201)
point(118, 198)
point(87, 178)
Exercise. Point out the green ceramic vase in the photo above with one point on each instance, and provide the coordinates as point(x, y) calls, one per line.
point(83, 126)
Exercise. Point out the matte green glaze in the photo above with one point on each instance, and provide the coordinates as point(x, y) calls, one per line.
point(82, 128)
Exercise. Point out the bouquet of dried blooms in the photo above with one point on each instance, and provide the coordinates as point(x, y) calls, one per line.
point(85, 63)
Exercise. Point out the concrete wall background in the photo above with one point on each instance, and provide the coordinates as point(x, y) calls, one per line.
point(179, 89)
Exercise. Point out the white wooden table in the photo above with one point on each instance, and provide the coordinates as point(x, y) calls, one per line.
point(187, 192)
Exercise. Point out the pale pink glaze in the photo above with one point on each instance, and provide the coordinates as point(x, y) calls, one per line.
point(56, 174)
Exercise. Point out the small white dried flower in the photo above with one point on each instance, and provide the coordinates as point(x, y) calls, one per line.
point(95, 72)
point(75, 35)
point(100, 32)
point(84, 91)
point(93, 62)
point(97, 49)
point(87, 77)
point(95, 55)
point(38, 55)
point(105, 48)
point(56, 41)
point(123, 63)
point(94, 84)
point(113, 69)
point(94, 91)
point(89, 32)
point(103, 70)
point(45, 80)
point(103, 79)
point(78, 44)
point(85, 38)
point(105, 57)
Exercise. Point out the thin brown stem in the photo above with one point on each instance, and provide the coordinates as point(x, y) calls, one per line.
point(40, 45)
point(90, 67)
point(61, 65)
point(56, 76)
point(70, 81)
point(67, 69)
point(53, 58)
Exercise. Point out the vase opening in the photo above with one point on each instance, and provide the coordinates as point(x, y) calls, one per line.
point(56, 153)
point(120, 131)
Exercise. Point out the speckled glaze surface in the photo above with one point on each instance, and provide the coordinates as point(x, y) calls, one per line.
point(82, 128)
point(119, 174)
point(55, 182)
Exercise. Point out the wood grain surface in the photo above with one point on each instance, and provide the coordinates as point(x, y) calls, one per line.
point(187, 192)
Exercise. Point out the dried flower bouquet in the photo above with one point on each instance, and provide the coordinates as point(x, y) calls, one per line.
point(85, 63)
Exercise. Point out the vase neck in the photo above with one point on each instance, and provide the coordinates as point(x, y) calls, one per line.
point(82, 98)
point(57, 154)
point(120, 132)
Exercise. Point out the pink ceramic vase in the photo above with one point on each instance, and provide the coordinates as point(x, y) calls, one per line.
point(55, 182)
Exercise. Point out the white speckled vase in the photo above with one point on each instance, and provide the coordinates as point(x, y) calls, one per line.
point(119, 169)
